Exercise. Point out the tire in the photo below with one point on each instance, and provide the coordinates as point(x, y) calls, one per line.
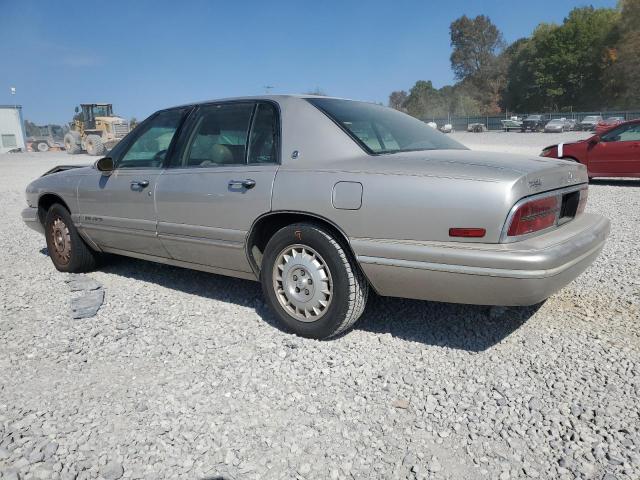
point(301, 252)
point(94, 145)
point(67, 250)
point(72, 143)
point(41, 147)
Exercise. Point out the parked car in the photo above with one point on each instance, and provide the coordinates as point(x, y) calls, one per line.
point(570, 124)
point(560, 125)
point(557, 125)
point(589, 123)
point(608, 123)
point(613, 153)
point(508, 125)
point(321, 199)
point(476, 127)
point(534, 123)
point(446, 128)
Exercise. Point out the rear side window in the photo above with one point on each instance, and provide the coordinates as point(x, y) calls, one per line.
point(263, 145)
point(383, 130)
point(219, 136)
point(626, 133)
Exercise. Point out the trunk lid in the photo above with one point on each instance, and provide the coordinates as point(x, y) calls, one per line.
point(528, 175)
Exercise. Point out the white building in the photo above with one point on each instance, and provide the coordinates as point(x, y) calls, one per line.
point(11, 128)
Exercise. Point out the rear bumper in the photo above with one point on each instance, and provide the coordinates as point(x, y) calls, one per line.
point(31, 219)
point(519, 273)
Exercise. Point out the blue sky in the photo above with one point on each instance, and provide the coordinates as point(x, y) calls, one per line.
point(153, 54)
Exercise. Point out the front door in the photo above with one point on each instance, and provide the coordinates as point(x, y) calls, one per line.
point(117, 210)
point(220, 182)
point(617, 153)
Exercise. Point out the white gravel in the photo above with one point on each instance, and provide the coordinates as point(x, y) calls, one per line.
point(184, 374)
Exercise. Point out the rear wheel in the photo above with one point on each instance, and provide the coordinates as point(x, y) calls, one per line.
point(67, 250)
point(311, 283)
point(94, 145)
point(42, 147)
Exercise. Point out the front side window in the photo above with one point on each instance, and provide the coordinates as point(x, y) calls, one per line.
point(383, 130)
point(219, 136)
point(626, 133)
point(150, 147)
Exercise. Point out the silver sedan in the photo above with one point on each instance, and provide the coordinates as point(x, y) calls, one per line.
point(322, 199)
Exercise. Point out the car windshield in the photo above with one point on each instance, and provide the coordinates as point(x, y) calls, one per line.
point(590, 118)
point(380, 129)
point(614, 119)
point(556, 122)
point(534, 117)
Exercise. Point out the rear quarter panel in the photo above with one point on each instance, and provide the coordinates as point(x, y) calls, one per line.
point(401, 207)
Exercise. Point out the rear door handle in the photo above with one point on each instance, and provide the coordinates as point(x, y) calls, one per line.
point(140, 183)
point(248, 183)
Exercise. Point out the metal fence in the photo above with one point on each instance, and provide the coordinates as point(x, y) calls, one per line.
point(494, 122)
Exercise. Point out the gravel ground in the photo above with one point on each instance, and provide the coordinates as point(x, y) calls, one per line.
point(185, 375)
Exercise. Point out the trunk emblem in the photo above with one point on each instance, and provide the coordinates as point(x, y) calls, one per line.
point(537, 183)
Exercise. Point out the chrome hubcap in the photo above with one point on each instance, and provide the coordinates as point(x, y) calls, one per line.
point(61, 240)
point(302, 282)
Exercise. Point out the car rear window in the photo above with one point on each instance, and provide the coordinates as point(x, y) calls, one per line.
point(380, 129)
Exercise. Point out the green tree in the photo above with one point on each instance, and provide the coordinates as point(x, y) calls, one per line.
point(623, 77)
point(397, 99)
point(562, 66)
point(476, 43)
point(477, 60)
point(424, 101)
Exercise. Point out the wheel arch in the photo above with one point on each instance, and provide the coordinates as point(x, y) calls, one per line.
point(265, 226)
point(44, 204)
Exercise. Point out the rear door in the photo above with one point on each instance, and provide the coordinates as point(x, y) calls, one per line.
point(618, 152)
point(220, 181)
point(117, 210)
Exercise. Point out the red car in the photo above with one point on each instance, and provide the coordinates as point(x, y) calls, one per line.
point(608, 123)
point(613, 153)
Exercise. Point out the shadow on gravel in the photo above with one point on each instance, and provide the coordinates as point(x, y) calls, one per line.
point(466, 327)
point(615, 182)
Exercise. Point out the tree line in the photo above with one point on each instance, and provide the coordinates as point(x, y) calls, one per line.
point(589, 62)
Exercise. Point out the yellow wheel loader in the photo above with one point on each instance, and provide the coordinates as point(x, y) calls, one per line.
point(95, 129)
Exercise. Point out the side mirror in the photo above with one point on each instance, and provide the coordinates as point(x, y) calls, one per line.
point(105, 165)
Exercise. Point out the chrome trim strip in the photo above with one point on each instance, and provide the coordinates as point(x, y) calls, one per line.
point(202, 241)
point(504, 238)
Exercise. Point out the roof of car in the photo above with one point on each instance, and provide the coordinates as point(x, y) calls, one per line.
point(258, 97)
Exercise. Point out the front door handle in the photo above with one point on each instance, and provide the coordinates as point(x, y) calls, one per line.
point(248, 183)
point(140, 183)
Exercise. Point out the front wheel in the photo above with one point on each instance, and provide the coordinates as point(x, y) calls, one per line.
point(94, 145)
point(66, 248)
point(311, 282)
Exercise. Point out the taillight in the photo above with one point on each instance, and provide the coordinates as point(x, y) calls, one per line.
point(584, 195)
point(534, 216)
point(467, 232)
